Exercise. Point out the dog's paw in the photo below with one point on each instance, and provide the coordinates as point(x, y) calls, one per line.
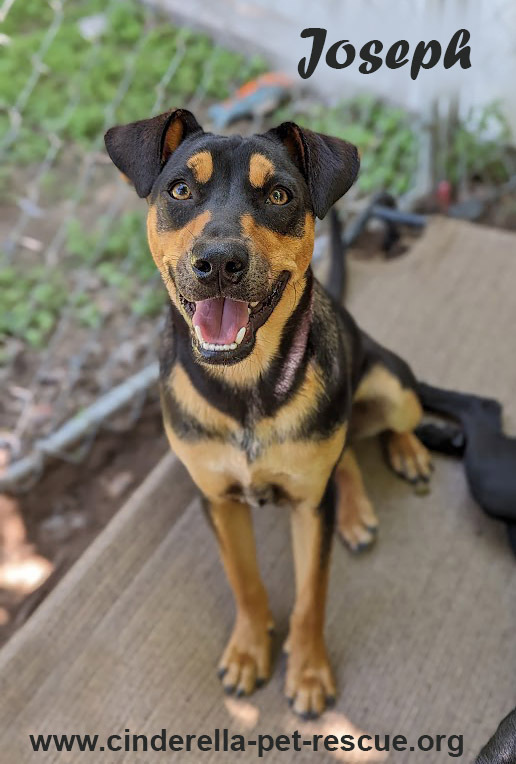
point(357, 524)
point(409, 458)
point(309, 686)
point(246, 662)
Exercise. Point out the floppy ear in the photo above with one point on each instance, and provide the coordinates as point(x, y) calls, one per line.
point(140, 149)
point(329, 165)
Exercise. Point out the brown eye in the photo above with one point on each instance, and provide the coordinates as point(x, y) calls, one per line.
point(181, 191)
point(278, 195)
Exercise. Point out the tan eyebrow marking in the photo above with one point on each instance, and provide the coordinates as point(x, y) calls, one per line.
point(260, 169)
point(201, 165)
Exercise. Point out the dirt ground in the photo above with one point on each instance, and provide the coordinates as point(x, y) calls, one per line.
point(46, 530)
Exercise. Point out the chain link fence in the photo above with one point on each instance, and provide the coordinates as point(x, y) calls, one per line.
point(81, 301)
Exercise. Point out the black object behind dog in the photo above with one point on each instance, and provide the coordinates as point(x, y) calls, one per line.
point(489, 455)
point(501, 748)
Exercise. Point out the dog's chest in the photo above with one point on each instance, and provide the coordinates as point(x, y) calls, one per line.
point(261, 459)
point(246, 467)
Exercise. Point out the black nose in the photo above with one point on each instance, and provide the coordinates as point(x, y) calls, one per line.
point(222, 262)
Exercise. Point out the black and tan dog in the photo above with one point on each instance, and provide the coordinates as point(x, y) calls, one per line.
point(264, 379)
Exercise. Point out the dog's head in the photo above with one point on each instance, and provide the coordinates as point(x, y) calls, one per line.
point(231, 219)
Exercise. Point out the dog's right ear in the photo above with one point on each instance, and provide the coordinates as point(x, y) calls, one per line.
point(141, 149)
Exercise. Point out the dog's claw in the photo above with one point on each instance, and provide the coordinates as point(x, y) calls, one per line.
point(409, 458)
point(361, 546)
point(422, 487)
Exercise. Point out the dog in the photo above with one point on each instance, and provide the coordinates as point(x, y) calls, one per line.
point(265, 380)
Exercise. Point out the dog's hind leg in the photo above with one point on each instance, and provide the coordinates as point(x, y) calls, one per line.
point(356, 519)
point(385, 403)
point(245, 663)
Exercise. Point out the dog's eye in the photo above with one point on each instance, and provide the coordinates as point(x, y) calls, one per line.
point(181, 191)
point(278, 196)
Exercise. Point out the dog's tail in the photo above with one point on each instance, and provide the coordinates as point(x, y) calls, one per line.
point(337, 272)
point(445, 438)
point(440, 401)
point(456, 404)
point(471, 413)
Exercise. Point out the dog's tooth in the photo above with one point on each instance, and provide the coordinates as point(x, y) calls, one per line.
point(198, 332)
point(240, 335)
point(254, 304)
point(218, 347)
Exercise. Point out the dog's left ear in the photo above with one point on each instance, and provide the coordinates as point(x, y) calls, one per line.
point(141, 149)
point(329, 165)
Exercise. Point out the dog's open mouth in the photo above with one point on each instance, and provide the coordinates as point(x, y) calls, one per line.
point(226, 328)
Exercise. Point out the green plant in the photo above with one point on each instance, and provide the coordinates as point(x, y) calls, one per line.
point(385, 138)
point(478, 147)
point(31, 303)
point(121, 258)
point(94, 71)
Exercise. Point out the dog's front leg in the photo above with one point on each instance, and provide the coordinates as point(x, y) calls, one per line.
point(245, 663)
point(310, 685)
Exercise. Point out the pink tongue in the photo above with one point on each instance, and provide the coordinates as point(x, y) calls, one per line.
point(220, 319)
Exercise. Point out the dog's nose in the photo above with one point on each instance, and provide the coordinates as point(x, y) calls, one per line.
point(220, 262)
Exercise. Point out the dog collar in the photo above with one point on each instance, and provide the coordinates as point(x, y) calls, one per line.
point(296, 351)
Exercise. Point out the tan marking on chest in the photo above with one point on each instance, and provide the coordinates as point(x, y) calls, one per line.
point(260, 170)
point(301, 468)
point(201, 164)
point(196, 405)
